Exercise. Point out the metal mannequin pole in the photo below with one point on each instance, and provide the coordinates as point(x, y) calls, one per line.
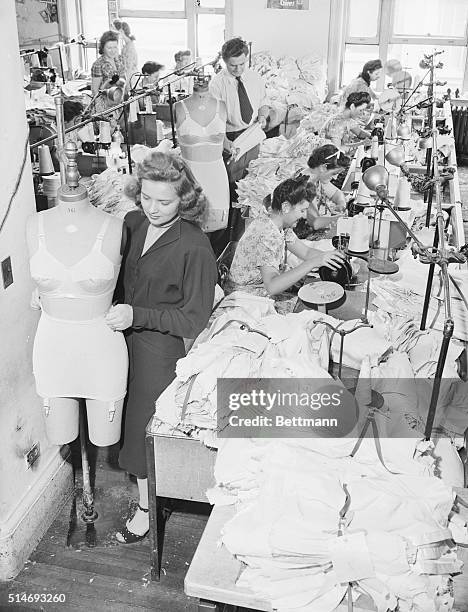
point(60, 136)
point(127, 144)
point(171, 114)
point(89, 515)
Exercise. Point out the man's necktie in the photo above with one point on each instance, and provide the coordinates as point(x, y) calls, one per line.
point(244, 102)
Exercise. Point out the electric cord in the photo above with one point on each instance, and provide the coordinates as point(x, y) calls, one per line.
point(18, 181)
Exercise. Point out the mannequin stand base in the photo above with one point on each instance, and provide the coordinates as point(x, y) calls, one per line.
point(89, 516)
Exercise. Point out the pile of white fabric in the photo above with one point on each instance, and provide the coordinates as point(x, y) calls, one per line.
point(279, 159)
point(292, 82)
point(106, 191)
point(393, 541)
point(316, 514)
point(402, 295)
point(249, 340)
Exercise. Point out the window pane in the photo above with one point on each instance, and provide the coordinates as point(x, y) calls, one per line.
point(355, 58)
point(95, 18)
point(212, 3)
point(430, 18)
point(363, 18)
point(153, 5)
point(158, 39)
point(91, 56)
point(210, 36)
point(453, 60)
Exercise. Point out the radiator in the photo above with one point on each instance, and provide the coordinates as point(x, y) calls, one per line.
point(460, 128)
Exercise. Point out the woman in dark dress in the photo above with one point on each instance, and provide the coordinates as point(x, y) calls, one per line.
point(168, 276)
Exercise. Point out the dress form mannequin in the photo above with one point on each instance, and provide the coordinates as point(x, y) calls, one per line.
point(75, 255)
point(201, 126)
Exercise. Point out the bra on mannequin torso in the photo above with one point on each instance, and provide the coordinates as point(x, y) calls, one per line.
point(75, 252)
point(201, 126)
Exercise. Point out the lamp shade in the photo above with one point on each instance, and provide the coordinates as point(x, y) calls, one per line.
point(396, 156)
point(115, 94)
point(375, 177)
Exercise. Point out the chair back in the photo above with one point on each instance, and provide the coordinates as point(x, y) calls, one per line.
point(224, 262)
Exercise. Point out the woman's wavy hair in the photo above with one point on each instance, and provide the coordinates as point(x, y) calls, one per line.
point(358, 98)
point(329, 155)
point(123, 25)
point(368, 67)
point(293, 190)
point(105, 38)
point(168, 168)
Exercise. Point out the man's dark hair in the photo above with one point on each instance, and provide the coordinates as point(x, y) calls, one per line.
point(151, 67)
point(234, 48)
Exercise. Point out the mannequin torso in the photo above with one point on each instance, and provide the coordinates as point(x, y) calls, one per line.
point(201, 121)
point(75, 255)
point(201, 127)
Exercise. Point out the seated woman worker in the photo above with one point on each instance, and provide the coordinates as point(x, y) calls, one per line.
point(324, 163)
point(260, 262)
point(344, 129)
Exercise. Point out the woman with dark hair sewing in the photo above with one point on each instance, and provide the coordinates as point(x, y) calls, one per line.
point(370, 73)
point(260, 262)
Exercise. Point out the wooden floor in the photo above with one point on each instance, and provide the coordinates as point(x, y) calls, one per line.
point(110, 576)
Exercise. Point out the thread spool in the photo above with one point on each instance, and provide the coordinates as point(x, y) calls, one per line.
point(391, 129)
point(403, 193)
point(50, 186)
point(159, 130)
point(46, 167)
point(364, 195)
point(104, 132)
point(359, 156)
point(359, 239)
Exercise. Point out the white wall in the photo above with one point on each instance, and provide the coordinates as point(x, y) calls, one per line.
point(281, 31)
point(21, 420)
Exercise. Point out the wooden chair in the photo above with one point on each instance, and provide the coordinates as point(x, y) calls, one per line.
point(224, 262)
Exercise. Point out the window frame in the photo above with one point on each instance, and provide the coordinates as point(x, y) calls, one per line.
point(361, 40)
point(190, 13)
point(385, 37)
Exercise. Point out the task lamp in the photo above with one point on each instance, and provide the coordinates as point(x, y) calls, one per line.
point(376, 179)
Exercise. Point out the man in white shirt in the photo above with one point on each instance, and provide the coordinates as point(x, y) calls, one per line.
point(243, 92)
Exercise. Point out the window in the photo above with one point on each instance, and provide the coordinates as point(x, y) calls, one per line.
point(355, 58)
point(152, 5)
point(212, 4)
point(363, 19)
point(434, 18)
point(94, 22)
point(406, 30)
point(158, 39)
point(163, 27)
point(95, 18)
point(210, 36)
point(453, 60)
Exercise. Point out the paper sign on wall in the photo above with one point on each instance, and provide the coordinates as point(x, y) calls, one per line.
point(297, 5)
